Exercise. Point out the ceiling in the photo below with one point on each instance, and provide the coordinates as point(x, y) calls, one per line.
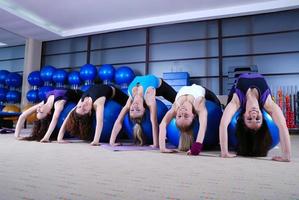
point(7, 37)
point(45, 20)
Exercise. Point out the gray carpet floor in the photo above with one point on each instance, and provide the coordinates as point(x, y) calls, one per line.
point(33, 170)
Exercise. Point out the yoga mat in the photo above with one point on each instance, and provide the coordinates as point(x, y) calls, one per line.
point(131, 147)
point(7, 130)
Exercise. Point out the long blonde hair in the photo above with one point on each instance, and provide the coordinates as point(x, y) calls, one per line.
point(186, 136)
point(186, 140)
point(138, 134)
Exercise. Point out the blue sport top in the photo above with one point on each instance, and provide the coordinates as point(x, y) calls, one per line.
point(144, 81)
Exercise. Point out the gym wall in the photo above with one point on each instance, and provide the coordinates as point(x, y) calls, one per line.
point(205, 49)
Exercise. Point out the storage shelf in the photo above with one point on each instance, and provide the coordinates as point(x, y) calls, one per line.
point(294, 130)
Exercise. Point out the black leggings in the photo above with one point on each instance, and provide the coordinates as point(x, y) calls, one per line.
point(120, 97)
point(231, 94)
point(212, 97)
point(166, 91)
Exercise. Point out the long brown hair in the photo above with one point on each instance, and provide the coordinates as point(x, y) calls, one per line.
point(80, 126)
point(251, 142)
point(40, 128)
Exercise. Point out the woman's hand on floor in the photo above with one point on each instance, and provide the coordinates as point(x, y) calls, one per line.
point(165, 150)
point(44, 140)
point(95, 143)
point(281, 159)
point(20, 138)
point(228, 155)
point(116, 144)
point(62, 141)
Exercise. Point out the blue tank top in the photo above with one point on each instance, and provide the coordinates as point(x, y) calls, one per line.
point(144, 81)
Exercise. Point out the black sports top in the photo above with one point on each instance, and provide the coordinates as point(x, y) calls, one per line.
point(97, 91)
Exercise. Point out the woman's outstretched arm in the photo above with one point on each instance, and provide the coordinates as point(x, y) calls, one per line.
point(23, 117)
point(118, 123)
point(99, 108)
point(150, 100)
point(202, 113)
point(202, 118)
point(277, 115)
point(227, 116)
point(58, 107)
point(62, 128)
point(162, 130)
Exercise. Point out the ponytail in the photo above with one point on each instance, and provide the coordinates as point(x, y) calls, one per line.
point(139, 137)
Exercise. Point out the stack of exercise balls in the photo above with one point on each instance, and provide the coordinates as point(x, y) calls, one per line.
point(35, 81)
point(74, 80)
point(3, 92)
point(3, 87)
point(46, 75)
point(11, 83)
point(14, 82)
point(88, 74)
point(59, 77)
point(124, 75)
point(106, 73)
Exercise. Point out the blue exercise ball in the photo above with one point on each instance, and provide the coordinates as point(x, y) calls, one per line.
point(59, 76)
point(14, 80)
point(212, 132)
point(84, 88)
point(106, 73)
point(3, 92)
point(66, 109)
point(88, 72)
point(74, 78)
point(111, 112)
point(47, 72)
point(124, 75)
point(232, 128)
point(13, 97)
point(146, 125)
point(35, 79)
point(32, 96)
point(42, 91)
point(3, 76)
